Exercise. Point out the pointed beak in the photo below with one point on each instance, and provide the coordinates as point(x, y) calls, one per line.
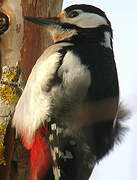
point(43, 21)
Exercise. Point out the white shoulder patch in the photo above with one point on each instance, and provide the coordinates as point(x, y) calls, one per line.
point(37, 105)
point(76, 78)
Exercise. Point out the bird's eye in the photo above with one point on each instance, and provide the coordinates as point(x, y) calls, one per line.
point(73, 14)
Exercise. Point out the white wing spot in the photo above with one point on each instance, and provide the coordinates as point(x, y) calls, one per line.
point(51, 137)
point(56, 150)
point(53, 127)
point(66, 155)
point(59, 130)
point(56, 172)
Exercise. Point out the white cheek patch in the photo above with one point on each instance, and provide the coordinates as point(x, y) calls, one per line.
point(88, 20)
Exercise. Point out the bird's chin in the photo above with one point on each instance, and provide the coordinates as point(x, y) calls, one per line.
point(60, 34)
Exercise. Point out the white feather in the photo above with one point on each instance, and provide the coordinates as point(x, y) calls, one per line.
point(107, 40)
point(86, 20)
point(36, 104)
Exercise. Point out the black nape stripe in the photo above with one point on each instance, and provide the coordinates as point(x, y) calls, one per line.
point(87, 35)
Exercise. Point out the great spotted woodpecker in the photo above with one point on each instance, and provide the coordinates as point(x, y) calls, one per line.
point(68, 113)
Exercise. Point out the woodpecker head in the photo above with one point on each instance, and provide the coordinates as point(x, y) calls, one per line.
point(76, 22)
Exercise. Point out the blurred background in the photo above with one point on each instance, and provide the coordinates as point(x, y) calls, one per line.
point(121, 164)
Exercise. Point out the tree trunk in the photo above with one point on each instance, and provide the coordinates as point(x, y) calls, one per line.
point(20, 47)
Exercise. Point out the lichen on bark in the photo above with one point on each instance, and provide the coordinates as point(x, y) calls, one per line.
point(10, 92)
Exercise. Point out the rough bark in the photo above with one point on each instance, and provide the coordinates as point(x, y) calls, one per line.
point(20, 47)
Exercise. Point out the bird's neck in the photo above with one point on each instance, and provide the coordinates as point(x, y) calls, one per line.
point(93, 35)
point(98, 35)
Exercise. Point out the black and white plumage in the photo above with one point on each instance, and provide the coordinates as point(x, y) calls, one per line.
point(73, 89)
